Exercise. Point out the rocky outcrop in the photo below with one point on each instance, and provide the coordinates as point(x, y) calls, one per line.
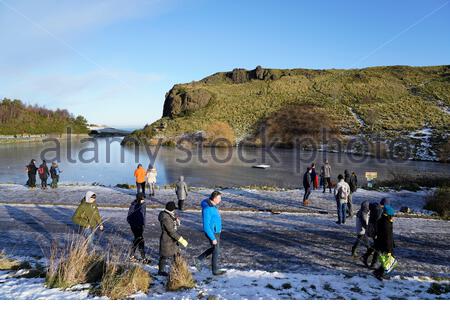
point(180, 102)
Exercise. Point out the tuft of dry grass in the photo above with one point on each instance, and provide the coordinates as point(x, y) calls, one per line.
point(11, 264)
point(180, 277)
point(75, 264)
point(439, 201)
point(121, 281)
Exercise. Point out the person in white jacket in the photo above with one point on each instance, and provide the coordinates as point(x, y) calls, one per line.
point(151, 179)
point(341, 192)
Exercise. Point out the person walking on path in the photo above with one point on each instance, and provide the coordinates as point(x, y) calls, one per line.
point(170, 238)
point(87, 217)
point(55, 172)
point(307, 184)
point(212, 227)
point(314, 177)
point(362, 220)
point(181, 189)
point(139, 174)
point(136, 220)
point(326, 168)
point(341, 193)
point(151, 179)
point(31, 170)
point(43, 174)
point(384, 242)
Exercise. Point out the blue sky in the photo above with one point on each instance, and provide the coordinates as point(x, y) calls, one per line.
point(113, 61)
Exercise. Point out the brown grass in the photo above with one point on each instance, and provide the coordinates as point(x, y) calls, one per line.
point(220, 134)
point(8, 263)
point(439, 202)
point(121, 281)
point(180, 277)
point(75, 264)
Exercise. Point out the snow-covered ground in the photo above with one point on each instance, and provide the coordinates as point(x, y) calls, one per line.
point(298, 253)
point(233, 199)
point(251, 285)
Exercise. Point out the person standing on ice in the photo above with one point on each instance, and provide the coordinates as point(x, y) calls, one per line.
point(326, 169)
point(314, 177)
point(212, 227)
point(362, 220)
point(55, 172)
point(151, 179)
point(43, 174)
point(87, 217)
point(136, 219)
point(31, 170)
point(139, 174)
point(170, 238)
point(307, 185)
point(341, 193)
point(181, 189)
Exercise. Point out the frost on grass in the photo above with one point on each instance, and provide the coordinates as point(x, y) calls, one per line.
point(180, 277)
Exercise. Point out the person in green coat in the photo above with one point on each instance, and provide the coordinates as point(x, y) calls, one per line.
point(87, 216)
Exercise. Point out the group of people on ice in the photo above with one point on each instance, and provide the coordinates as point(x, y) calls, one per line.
point(88, 219)
point(44, 173)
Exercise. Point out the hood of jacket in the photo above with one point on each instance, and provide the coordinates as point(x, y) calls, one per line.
point(206, 203)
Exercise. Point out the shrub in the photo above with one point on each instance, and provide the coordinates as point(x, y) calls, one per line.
point(180, 277)
point(75, 264)
point(439, 202)
point(413, 183)
point(121, 281)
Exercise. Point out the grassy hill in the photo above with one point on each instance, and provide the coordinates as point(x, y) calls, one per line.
point(386, 101)
point(18, 118)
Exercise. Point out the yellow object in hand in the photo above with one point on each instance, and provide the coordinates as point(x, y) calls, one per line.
point(183, 242)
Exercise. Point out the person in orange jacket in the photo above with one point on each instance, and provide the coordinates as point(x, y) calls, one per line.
point(140, 174)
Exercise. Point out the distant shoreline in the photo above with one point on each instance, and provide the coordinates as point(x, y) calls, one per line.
point(24, 138)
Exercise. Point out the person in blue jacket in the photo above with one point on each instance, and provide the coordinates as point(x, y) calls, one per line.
point(212, 227)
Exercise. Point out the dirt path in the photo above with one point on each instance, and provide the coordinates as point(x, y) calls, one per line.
point(293, 242)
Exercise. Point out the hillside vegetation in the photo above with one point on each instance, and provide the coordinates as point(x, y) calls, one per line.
point(18, 118)
point(386, 101)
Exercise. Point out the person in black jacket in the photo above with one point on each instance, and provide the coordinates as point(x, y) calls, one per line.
point(32, 170)
point(170, 238)
point(384, 242)
point(136, 219)
point(307, 184)
point(375, 212)
point(352, 181)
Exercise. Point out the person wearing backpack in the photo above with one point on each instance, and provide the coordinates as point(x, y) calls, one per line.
point(384, 242)
point(54, 174)
point(136, 220)
point(31, 171)
point(375, 213)
point(307, 185)
point(341, 193)
point(362, 220)
point(43, 174)
point(170, 238)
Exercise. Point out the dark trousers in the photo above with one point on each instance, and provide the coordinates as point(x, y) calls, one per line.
point(32, 180)
point(369, 252)
point(140, 187)
point(213, 251)
point(326, 183)
point(138, 241)
point(43, 183)
point(164, 262)
point(180, 205)
point(55, 182)
point(359, 238)
point(307, 194)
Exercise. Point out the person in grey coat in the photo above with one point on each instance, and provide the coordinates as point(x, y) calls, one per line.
point(362, 220)
point(326, 172)
point(170, 238)
point(181, 189)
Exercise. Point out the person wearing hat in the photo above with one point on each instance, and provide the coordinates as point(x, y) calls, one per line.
point(54, 174)
point(212, 227)
point(87, 216)
point(136, 219)
point(384, 241)
point(170, 238)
